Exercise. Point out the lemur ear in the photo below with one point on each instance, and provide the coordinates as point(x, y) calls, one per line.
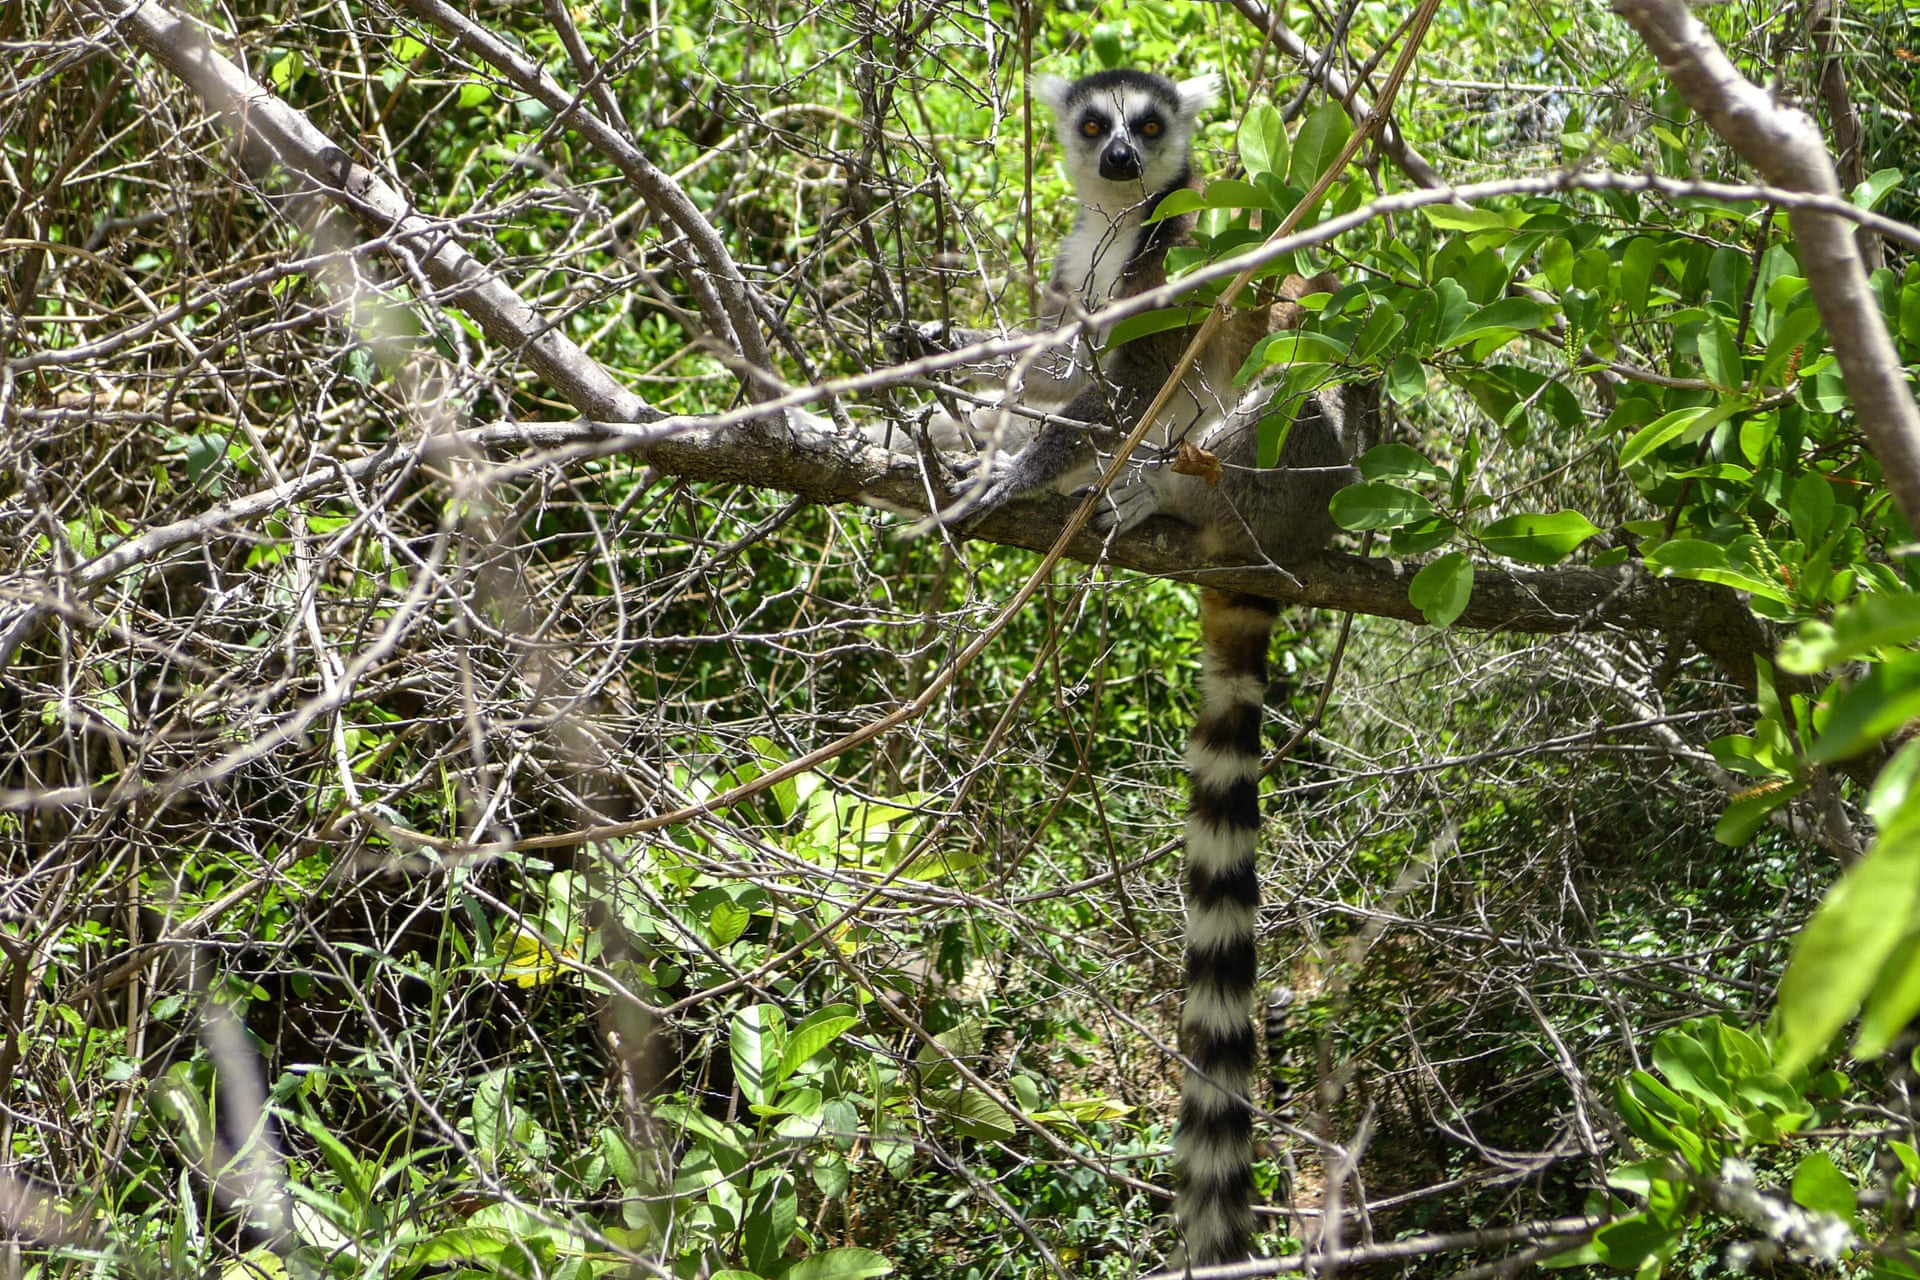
point(1199, 93)
point(1051, 90)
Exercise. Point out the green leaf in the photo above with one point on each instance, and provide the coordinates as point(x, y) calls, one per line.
point(1176, 202)
point(1744, 816)
point(1469, 218)
point(977, 1116)
point(1233, 193)
point(1894, 784)
point(1719, 358)
point(1636, 272)
point(1505, 318)
point(1317, 144)
point(1790, 334)
point(768, 1223)
point(1406, 378)
point(1869, 623)
point(1538, 539)
point(1263, 140)
point(1810, 506)
point(1685, 1062)
point(840, 1264)
point(175, 1097)
point(1297, 345)
point(727, 921)
point(1819, 1185)
point(756, 1045)
point(1880, 701)
point(814, 1034)
point(1627, 1242)
point(1158, 320)
point(1875, 188)
point(1441, 589)
point(493, 1111)
point(1707, 562)
point(1841, 950)
point(1399, 462)
point(1686, 424)
point(1894, 1000)
point(1377, 505)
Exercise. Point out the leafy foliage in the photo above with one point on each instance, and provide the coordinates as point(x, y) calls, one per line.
point(486, 791)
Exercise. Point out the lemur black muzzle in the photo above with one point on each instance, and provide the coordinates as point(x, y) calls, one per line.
point(1119, 162)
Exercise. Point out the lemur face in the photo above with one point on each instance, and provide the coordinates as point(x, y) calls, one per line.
point(1125, 135)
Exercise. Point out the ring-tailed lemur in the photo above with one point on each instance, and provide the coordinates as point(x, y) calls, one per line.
point(1126, 138)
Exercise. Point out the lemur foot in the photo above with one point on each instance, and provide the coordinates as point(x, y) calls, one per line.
point(912, 341)
point(1128, 504)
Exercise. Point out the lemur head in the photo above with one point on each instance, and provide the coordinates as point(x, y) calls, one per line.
point(1126, 135)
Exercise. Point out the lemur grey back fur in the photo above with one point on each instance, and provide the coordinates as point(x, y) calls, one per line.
point(1126, 137)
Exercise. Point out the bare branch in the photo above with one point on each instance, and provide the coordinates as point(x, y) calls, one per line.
point(268, 132)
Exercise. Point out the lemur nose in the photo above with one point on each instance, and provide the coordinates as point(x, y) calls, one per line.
point(1119, 162)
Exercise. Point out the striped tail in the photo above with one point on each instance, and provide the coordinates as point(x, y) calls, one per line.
point(1214, 1142)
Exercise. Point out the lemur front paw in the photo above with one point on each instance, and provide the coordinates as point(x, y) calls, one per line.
point(999, 491)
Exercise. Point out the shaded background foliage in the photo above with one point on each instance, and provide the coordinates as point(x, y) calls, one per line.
point(327, 769)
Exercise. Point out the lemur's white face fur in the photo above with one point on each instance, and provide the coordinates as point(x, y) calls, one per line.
point(1125, 135)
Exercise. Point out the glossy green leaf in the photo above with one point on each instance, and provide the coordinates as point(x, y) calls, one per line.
point(1839, 953)
point(1819, 1185)
point(1719, 358)
point(1399, 462)
point(1628, 1242)
point(977, 1116)
point(727, 921)
point(1894, 1000)
point(1538, 539)
point(767, 1226)
point(1263, 140)
point(1810, 505)
point(1406, 378)
point(1158, 320)
point(1868, 624)
point(1317, 144)
point(1441, 589)
point(1636, 272)
point(1297, 345)
point(1894, 784)
point(755, 1044)
point(1176, 202)
point(1686, 424)
point(1508, 317)
point(1466, 218)
point(815, 1033)
point(1707, 562)
point(1790, 335)
point(1234, 193)
point(1880, 701)
point(1377, 505)
point(1744, 816)
point(840, 1264)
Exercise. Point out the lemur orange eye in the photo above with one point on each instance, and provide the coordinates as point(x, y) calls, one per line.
point(1151, 129)
point(1090, 128)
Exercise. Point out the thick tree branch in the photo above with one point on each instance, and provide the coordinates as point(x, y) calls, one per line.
point(1785, 145)
point(1554, 601)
